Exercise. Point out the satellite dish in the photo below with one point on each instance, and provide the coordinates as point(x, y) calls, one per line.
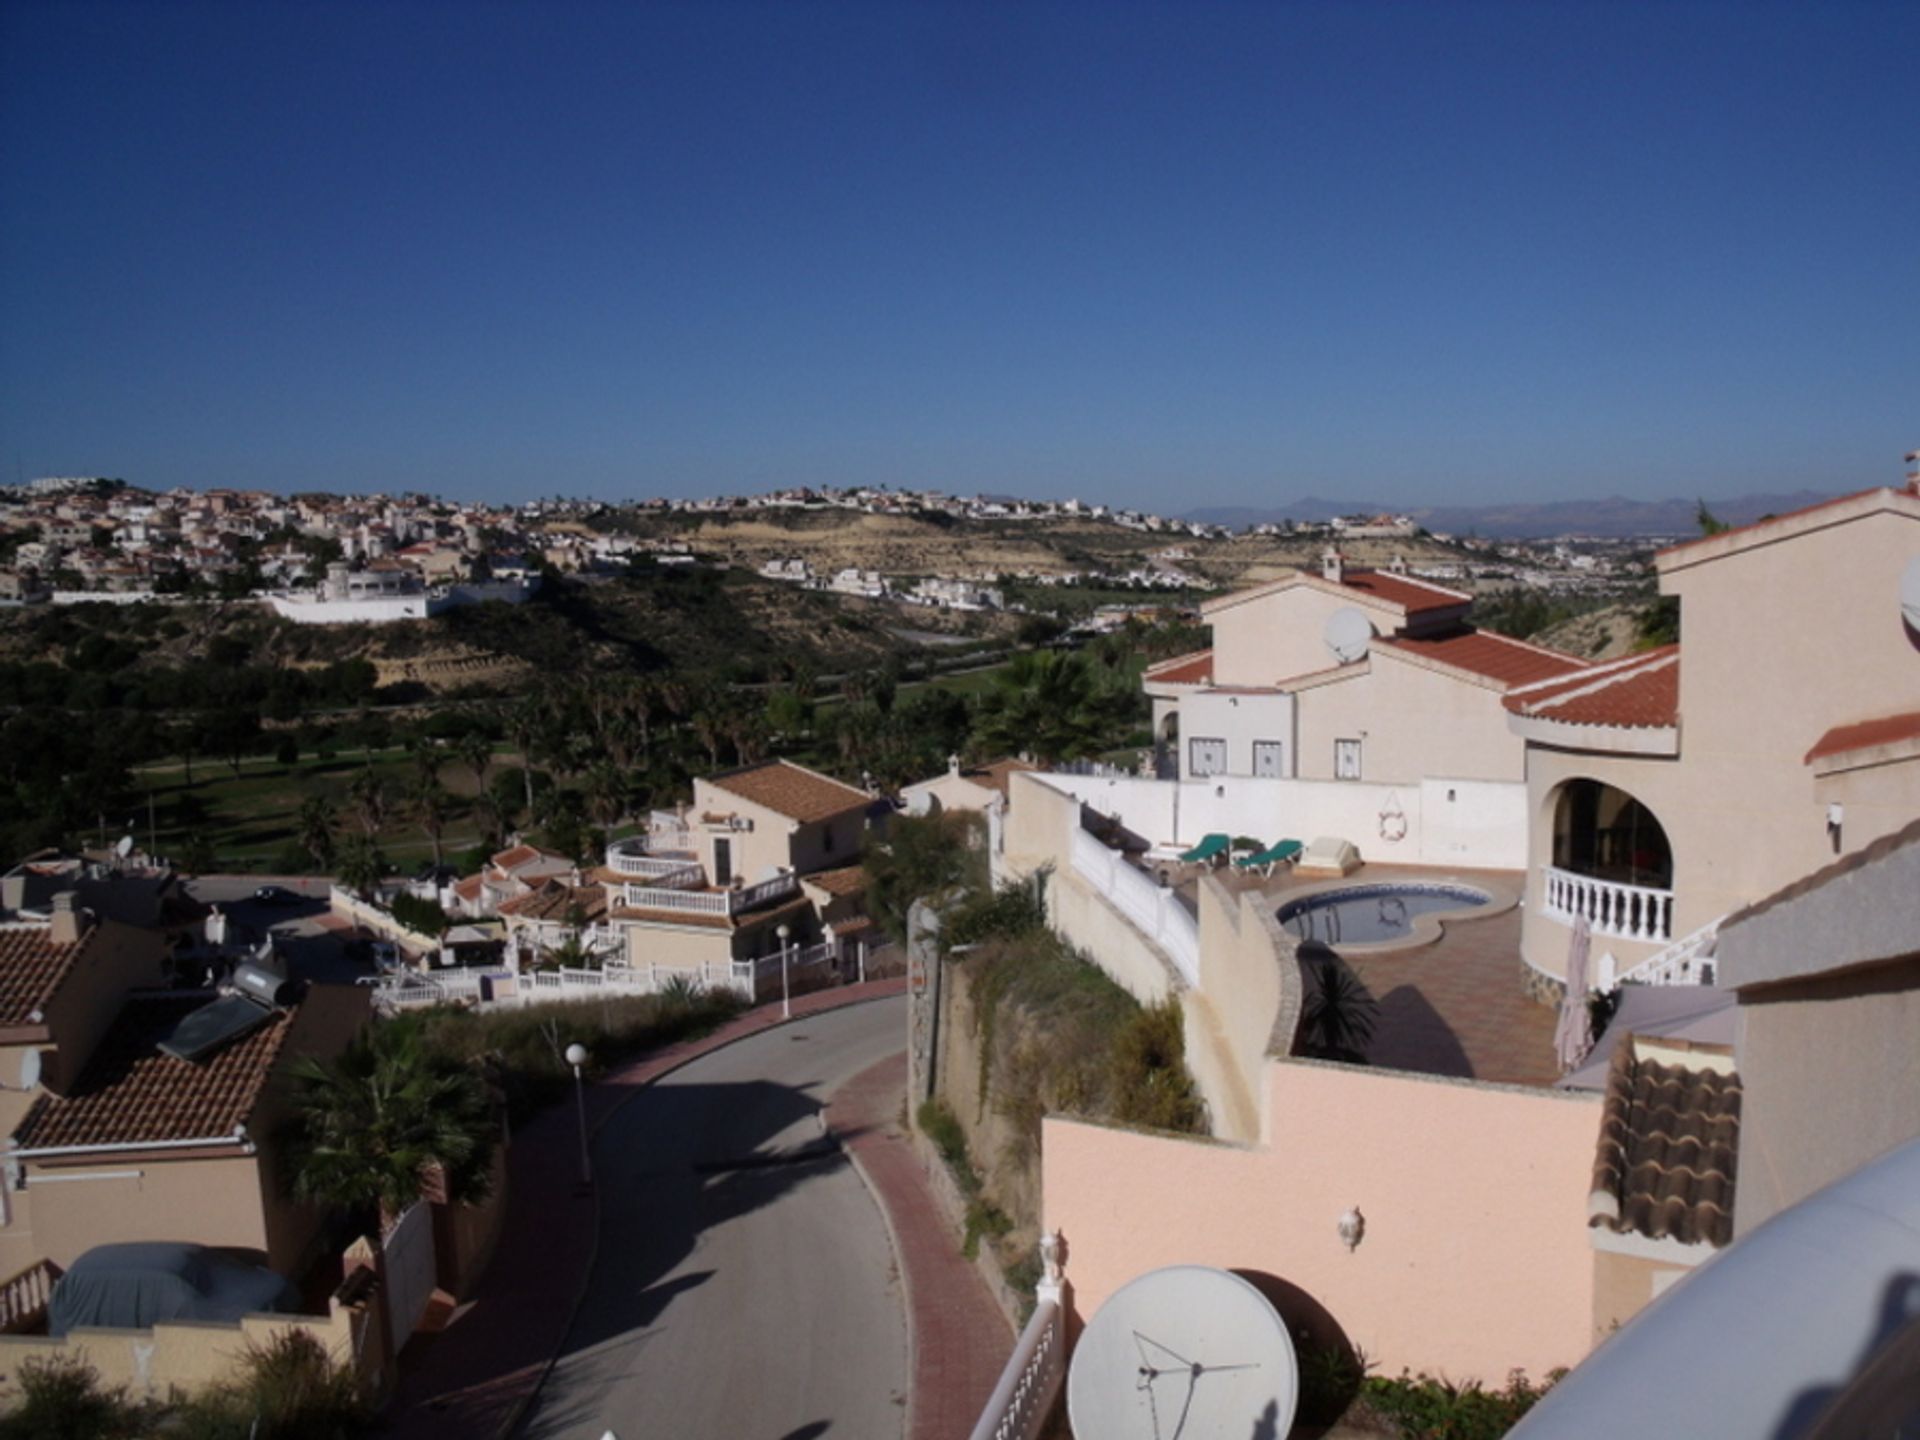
point(1188, 1350)
point(1910, 593)
point(1349, 635)
point(29, 1069)
point(124, 846)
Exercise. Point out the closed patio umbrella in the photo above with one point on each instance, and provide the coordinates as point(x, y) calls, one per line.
point(1573, 1036)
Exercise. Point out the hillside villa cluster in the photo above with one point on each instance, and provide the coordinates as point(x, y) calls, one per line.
point(1719, 837)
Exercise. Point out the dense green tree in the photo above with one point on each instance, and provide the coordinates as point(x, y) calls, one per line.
point(370, 1124)
point(921, 857)
point(314, 825)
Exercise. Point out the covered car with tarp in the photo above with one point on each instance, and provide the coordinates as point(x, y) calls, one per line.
point(138, 1284)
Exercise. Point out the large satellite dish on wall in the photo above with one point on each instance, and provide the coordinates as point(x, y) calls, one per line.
point(1187, 1351)
point(1349, 634)
point(1910, 593)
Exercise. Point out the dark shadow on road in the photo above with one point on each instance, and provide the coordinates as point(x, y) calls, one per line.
point(809, 1432)
point(676, 1161)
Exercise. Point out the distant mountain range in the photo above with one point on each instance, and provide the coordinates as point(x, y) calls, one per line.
point(1615, 517)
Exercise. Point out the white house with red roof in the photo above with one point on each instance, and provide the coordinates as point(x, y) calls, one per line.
point(1357, 704)
point(1669, 789)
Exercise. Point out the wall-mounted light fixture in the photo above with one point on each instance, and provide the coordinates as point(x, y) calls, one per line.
point(1353, 1228)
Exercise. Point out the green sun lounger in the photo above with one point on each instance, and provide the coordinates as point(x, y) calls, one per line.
point(1210, 848)
point(1278, 853)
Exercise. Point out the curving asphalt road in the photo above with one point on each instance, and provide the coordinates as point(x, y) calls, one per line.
point(745, 1286)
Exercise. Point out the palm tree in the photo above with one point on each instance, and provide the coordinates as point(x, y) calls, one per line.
point(1338, 1019)
point(315, 823)
point(475, 751)
point(369, 797)
point(372, 1123)
point(525, 723)
point(428, 758)
point(606, 788)
point(432, 806)
point(360, 864)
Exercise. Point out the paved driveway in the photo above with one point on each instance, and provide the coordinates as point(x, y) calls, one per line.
point(744, 1285)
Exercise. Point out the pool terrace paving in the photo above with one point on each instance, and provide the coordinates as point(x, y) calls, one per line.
point(1455, 1007)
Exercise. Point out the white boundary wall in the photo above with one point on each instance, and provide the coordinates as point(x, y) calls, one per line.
point(1479, 824)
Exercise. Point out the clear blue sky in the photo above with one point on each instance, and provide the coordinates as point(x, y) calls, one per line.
point(1169, 255)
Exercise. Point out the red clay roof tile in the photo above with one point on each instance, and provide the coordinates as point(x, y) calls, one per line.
point(31, 969)
point(1194, 669)
point(1668, 1152)
point(1865, 734)
point(1498, 657)
point(1641, 692)
point(131, 1093)
point(791, 790)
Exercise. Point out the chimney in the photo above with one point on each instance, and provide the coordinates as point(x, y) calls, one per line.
point(1913, 471)
point(1397, 565)
point(953, 764)
point(1333, 565)
point(13, 893)
point(67, 919)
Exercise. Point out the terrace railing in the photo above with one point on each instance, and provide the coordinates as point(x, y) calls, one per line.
point(654, 856)
point(1624, 912)
point(1688, 961)
point(1029, 1388)
point(688, 901)
point(1156, 911)
point(24, 1298)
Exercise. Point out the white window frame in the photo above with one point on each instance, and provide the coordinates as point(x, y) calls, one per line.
point(1342, 751)
point(1279, 749)
point(1193, 755)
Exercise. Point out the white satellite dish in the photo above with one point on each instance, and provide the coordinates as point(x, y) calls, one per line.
point(1910, 593)
point(29, 1069)
point(123, 847)
point(1349, 635)
point(1188, 1351)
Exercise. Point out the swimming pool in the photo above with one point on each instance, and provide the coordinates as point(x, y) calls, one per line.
point(1370, 914)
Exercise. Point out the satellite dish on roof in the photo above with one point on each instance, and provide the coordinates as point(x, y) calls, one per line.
point(1910, 593)
point(1187, 1350)
point(29, 1069)
point(1349, 634)
point(123, 847)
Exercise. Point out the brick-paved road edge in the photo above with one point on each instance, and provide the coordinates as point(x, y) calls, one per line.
point(958, 1339)
point(481, 1374)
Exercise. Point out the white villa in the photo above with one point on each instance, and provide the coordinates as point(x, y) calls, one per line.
point(1667, 790)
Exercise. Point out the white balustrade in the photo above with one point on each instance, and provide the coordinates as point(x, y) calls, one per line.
point(1135, 894)
point(1688, 961)
point(708, 902)
point(1625, 912)
point(652, 854)
point(1030, 1384)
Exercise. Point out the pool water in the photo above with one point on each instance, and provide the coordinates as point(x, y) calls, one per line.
point(1368, 914)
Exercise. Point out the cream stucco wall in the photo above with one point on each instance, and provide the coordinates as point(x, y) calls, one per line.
point(1780, 642)
point(1239, 720)
point(107, 1199)
point(1475, 1258)
point(771, 841)
point(1848, 1043)
point(1416, 721)
point(1273, 637)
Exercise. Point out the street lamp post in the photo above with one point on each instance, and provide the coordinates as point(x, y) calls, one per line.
point(786, 999)
point(576, 1057)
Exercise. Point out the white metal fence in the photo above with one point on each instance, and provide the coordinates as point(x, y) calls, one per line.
point(1156, 911)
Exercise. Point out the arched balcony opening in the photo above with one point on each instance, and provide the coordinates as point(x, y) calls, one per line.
point(1612, 863)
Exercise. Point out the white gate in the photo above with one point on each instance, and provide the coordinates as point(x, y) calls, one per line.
point(408, 1245)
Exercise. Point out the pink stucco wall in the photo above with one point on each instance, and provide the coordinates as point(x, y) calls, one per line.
point(1475, 1258)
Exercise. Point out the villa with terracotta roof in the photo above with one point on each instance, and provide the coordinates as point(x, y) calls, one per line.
point(109, 1136)
point(717, 881)
point(1670, 788)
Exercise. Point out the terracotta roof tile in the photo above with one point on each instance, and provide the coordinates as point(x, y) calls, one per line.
point(791, 790)
point(1667, 1157)
point(1194, 669)
point(847, 880)
point(517, 856)
point(1642, 691)
point(1865, 734)
point(552, 900)
point(31, 969)
point(1498, 657)
point(131, 1093)
point(644, 916)
point(1409, 594)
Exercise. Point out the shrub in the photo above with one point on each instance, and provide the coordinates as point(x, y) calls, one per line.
point(1150, 1081)
point(417, 914)
point(286, 1389)
point(61, 1399)
point(1430, 1408)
